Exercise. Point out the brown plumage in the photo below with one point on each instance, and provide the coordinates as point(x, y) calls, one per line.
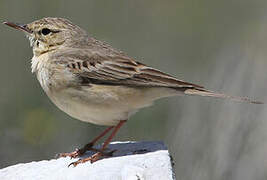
point(93, 82)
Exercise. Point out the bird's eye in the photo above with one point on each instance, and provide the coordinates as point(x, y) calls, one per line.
point(45, 31)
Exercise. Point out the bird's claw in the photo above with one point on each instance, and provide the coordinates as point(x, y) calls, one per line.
point(77, 152)
point(72, 155)
point(97, 156)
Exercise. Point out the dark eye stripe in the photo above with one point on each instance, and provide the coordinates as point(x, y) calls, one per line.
point(54, 31)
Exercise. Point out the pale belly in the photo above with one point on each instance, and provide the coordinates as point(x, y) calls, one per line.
point(105, 105)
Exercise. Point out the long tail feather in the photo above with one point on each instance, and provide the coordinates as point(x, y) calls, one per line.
point(203, 92)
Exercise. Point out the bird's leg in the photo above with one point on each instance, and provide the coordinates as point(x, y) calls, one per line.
point(89, 146)
point(101, 153)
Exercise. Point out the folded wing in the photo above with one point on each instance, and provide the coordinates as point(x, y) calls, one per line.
point(122, 70)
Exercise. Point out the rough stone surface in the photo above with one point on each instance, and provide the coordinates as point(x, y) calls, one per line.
point(132, 161)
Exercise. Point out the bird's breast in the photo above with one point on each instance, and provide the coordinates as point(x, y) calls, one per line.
point(43, 74)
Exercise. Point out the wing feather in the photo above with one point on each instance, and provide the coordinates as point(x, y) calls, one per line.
point(120, 70)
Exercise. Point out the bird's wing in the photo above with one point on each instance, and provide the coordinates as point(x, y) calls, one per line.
point(120, 70)
point(92, 68)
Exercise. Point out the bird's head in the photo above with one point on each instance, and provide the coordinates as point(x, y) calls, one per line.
point(49, 34)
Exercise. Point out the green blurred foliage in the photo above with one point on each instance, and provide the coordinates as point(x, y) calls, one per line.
point(39, 127)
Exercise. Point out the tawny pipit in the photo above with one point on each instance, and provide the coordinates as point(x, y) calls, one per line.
point(92, 82)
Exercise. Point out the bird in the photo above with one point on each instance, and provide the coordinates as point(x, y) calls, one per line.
point(96, 83)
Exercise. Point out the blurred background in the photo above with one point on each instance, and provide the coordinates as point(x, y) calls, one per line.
point(219, 44)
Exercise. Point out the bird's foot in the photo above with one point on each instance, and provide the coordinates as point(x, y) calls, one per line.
point(77, 152)
point(74, 154)
point(97, 156)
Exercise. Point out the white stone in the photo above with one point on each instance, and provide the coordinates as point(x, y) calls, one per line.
point(132, 161)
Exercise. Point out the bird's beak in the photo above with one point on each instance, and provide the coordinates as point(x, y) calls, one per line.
point(18, 26)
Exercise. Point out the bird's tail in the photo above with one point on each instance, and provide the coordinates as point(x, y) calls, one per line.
point(204, 92)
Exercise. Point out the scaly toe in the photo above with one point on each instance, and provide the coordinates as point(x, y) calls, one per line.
point(73, 154)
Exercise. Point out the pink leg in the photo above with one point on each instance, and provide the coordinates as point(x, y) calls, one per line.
point(80, 152)
point(100, 154)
